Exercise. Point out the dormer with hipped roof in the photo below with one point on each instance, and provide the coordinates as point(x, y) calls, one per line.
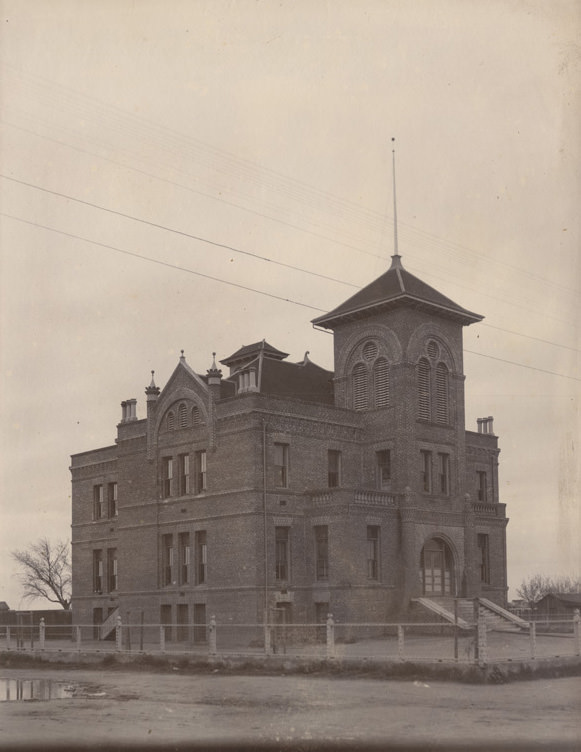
point(260, 367)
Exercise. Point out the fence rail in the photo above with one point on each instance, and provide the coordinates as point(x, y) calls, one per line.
point(404, 641)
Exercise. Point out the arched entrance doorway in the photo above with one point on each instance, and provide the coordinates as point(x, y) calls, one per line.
point(437, 568)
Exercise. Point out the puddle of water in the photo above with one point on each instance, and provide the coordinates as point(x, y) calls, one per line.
point(25, 690)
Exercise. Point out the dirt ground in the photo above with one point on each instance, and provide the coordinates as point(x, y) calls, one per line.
point(113, 708)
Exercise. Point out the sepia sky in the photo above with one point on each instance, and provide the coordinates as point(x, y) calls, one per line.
point(202, 175)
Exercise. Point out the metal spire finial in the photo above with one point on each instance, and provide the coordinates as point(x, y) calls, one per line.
point(395, 248)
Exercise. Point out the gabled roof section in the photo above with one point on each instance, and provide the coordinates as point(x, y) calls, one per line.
point(183, 373)
point(248, 352)
point(397, 287)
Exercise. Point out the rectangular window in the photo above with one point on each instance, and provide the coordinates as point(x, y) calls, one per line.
point(334, 468)
point(383, 459)
point(200, 470)
point(282, 551)
point(112, 499)
point(482, 490)
point(167, 559)
point(98, 570)
point(201, 557)
point(321, 552)
point(281, 465)
point(444, 473)
point(111, 569)
point(426, 469)
point(484, 555)
point(166, 477)
point(183, 474)
point(373, 552)
point(184, 556)
point(98, 510)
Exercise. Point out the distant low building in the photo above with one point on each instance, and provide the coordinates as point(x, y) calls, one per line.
point(558, 604)
point(286, 486)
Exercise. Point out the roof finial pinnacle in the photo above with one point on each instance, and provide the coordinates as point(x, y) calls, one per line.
point(395, 248)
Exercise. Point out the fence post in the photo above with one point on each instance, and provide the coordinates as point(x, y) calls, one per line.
point(212, 641)
point(330, 636)
point(481, 641)
point(267, 635)
point(41, 628)
point(400, 642)
point(475, 617)
point(577, 631)
point(533, 639)
point(78, 636)
point(162, 638)
point(456, 629)
point(119, 634)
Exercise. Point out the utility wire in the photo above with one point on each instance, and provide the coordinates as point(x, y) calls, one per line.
point(158, 261)
point(194, 190)
point(222, 199)
point(228, 163)
point(523, 365)
point(234, 249)
point(242, 287)
point(177, 232)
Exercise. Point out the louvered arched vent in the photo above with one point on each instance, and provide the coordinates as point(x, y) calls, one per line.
point(424, 409)
point(360, 390)
point(381, 382)
point(442, 411)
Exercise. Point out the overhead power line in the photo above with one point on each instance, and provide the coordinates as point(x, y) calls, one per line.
point(512, 302)
point(158, 261)
point(223, 161)
point(523, 365)
point(225, 246)
point(177, 232)
point(237, 285)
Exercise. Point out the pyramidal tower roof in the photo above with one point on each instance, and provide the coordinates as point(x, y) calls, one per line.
point(396, 288)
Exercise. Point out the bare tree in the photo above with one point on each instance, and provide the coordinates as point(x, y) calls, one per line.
point(46, 571)
point(536, 587)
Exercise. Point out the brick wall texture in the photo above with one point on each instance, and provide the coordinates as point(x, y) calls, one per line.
point(259, 462)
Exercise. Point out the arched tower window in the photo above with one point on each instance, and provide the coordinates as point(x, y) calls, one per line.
point(360, 387)
point(170, 421)
point(424, 391)
point(381, 382)
point(196, 417)
point(442, 410)
point(182, 415)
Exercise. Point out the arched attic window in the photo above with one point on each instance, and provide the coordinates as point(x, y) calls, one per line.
point(424, 390)
point(170, 421)
point(182, 415)
point(442, 409)
point(381, 382)
point(360, 387)
point(196, 415)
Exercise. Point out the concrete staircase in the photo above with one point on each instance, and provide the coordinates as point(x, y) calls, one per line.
point(496, 617)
